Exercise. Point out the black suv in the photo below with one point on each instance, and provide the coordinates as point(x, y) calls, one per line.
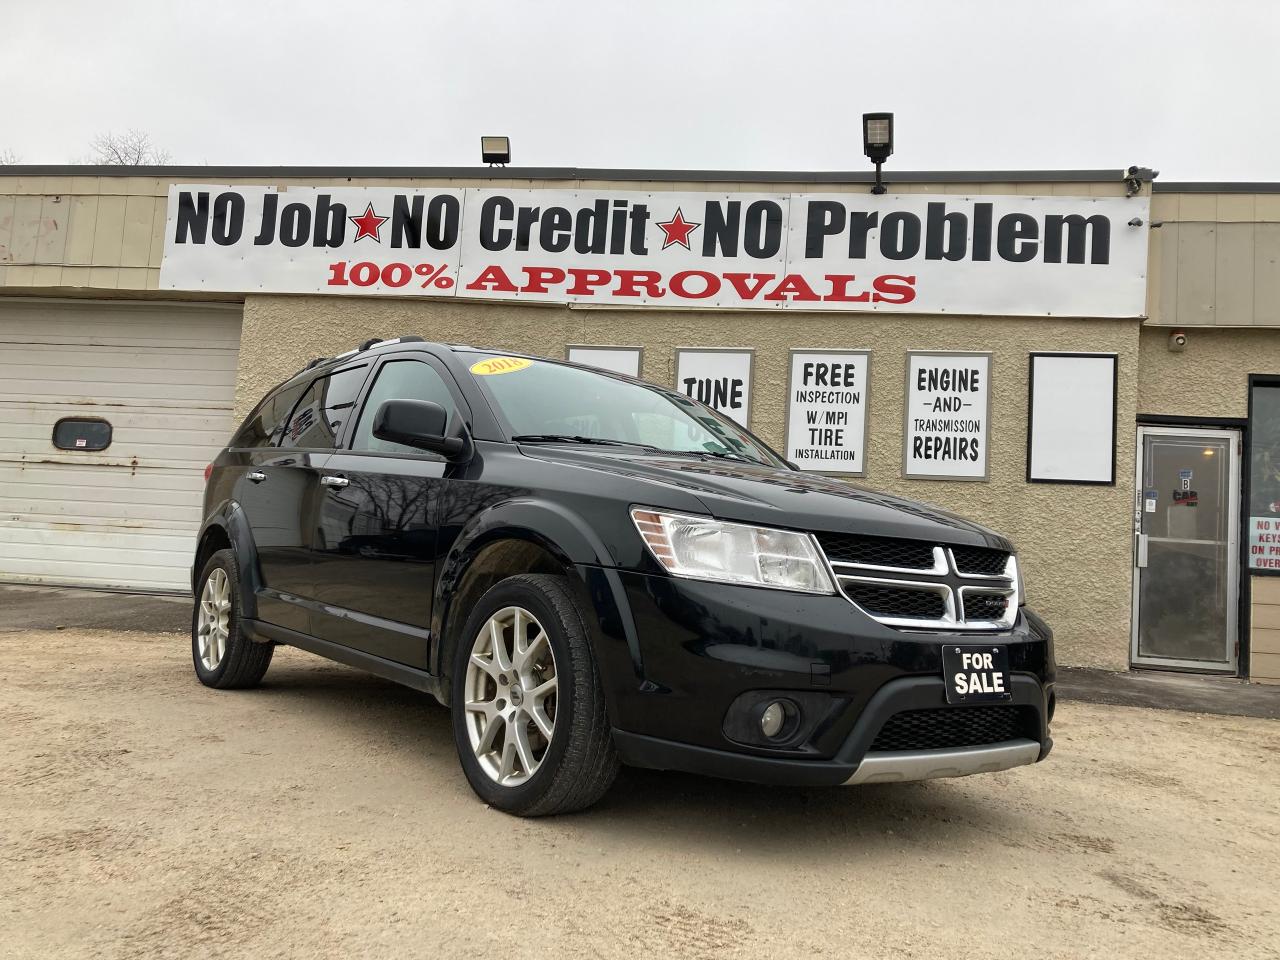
point(589, 569)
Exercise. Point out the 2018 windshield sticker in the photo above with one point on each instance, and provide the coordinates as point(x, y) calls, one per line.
point(491, 366)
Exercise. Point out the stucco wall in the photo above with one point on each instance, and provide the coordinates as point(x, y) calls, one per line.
point(1075, 540)
point(1210, 378)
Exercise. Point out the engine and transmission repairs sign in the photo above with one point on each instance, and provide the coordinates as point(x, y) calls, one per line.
point(948, 413)
point(917, 253)
point(827, 410)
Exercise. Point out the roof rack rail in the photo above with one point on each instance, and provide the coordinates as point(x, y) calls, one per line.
point(313, 363)
point(369, 343)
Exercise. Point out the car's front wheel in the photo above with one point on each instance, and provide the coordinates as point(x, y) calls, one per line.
point(529, 716)
point(224, 657)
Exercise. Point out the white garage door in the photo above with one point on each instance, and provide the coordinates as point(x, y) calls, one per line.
point(163, 377)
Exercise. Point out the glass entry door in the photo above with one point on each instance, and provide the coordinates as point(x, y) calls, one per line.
point(1186, 549)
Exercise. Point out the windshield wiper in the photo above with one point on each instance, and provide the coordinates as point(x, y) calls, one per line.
point(575, 438)
point(721, 454)
point(730, 455)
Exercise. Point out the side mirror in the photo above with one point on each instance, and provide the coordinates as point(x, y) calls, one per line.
point(421, 424)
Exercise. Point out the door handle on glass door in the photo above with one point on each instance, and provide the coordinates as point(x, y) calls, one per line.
point(1142, 550)
point(332, 481)
point(257, 476)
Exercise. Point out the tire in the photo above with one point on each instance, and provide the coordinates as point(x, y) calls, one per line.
point(242, 662)
point(576, 765)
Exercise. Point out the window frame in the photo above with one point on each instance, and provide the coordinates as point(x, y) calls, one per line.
point(1268, 381)
point(461, 406)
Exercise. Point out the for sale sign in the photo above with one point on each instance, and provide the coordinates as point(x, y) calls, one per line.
point(947, 412)
point(827, 410)
point(1061, 256)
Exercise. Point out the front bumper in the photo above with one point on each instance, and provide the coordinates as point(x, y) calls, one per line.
point(855, 762)
point(696, 648)
point(899, 766)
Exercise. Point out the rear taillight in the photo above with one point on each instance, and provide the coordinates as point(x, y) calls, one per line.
point(208, 469)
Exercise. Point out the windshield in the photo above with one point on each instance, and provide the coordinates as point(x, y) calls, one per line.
point(551, 402)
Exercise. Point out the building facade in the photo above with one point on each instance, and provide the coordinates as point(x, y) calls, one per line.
point(1106, 407)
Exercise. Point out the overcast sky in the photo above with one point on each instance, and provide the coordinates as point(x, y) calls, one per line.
point(1186, 87)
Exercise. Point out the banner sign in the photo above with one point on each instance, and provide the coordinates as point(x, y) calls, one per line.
point(915, 253)
point(827, 410)
point(947, 411)
point(720, 378)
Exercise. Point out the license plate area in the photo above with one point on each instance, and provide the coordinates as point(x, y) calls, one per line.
point(976, 673)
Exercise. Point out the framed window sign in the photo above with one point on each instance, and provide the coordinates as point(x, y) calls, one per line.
point(947, 415)
point(628, 361)
point(1071, 418)
point(827, 410)
point(1264, 475)
point(720, 377)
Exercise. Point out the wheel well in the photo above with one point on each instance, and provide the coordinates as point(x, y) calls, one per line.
point(213, 540)
point(496, 561)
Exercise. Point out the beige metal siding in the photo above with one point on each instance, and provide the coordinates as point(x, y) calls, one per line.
point(163, 375)
point(1264, 637)
point(1215, 260)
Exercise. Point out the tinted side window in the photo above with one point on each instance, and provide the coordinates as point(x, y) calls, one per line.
point(319, 415)
point(399, 380)
point(264, 426)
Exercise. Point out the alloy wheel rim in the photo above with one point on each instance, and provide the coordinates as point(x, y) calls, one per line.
point(511, 696)
point(214, 622)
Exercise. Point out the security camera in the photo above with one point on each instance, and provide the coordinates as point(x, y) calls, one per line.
point(1177, 341)
point(1135, 177)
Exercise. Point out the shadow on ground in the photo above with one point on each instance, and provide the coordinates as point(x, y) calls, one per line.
point(413, 730)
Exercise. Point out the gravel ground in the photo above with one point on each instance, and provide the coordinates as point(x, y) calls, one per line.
point(324, 815)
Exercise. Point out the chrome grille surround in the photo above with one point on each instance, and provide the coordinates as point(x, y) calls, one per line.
point(943, 578)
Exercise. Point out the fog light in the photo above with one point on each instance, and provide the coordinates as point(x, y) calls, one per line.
point(773, 719)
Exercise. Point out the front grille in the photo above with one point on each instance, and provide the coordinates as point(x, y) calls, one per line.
point(985, 606)
point(980, 561)
point(877, 551)
point(920, 585)
point(886, 601)
point(951, 727)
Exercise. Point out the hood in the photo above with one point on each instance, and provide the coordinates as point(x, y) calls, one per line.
point(778, 497)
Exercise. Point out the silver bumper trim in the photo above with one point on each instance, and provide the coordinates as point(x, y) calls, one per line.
point(897, 766)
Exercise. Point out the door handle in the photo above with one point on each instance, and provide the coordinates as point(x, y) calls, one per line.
point(331, 481)
point(1142, 550)
point(257, 476)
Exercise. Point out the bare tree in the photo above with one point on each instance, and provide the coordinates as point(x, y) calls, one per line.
point(8, 158)
point(133, 148)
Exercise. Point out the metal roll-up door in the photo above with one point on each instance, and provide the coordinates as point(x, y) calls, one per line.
point(108, 414)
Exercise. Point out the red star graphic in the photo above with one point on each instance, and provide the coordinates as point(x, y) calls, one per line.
point(368, 224)
point(677, 230)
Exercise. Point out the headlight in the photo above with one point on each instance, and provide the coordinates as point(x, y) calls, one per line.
point(705, 549)
point(1017, 571)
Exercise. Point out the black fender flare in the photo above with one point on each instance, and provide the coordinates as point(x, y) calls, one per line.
point(229, 517)
point(552, 526)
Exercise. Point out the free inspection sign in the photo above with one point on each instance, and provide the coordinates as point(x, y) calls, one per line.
point(917, 253)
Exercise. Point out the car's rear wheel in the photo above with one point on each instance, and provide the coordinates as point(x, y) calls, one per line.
point(223, 656)
point(528, 710)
